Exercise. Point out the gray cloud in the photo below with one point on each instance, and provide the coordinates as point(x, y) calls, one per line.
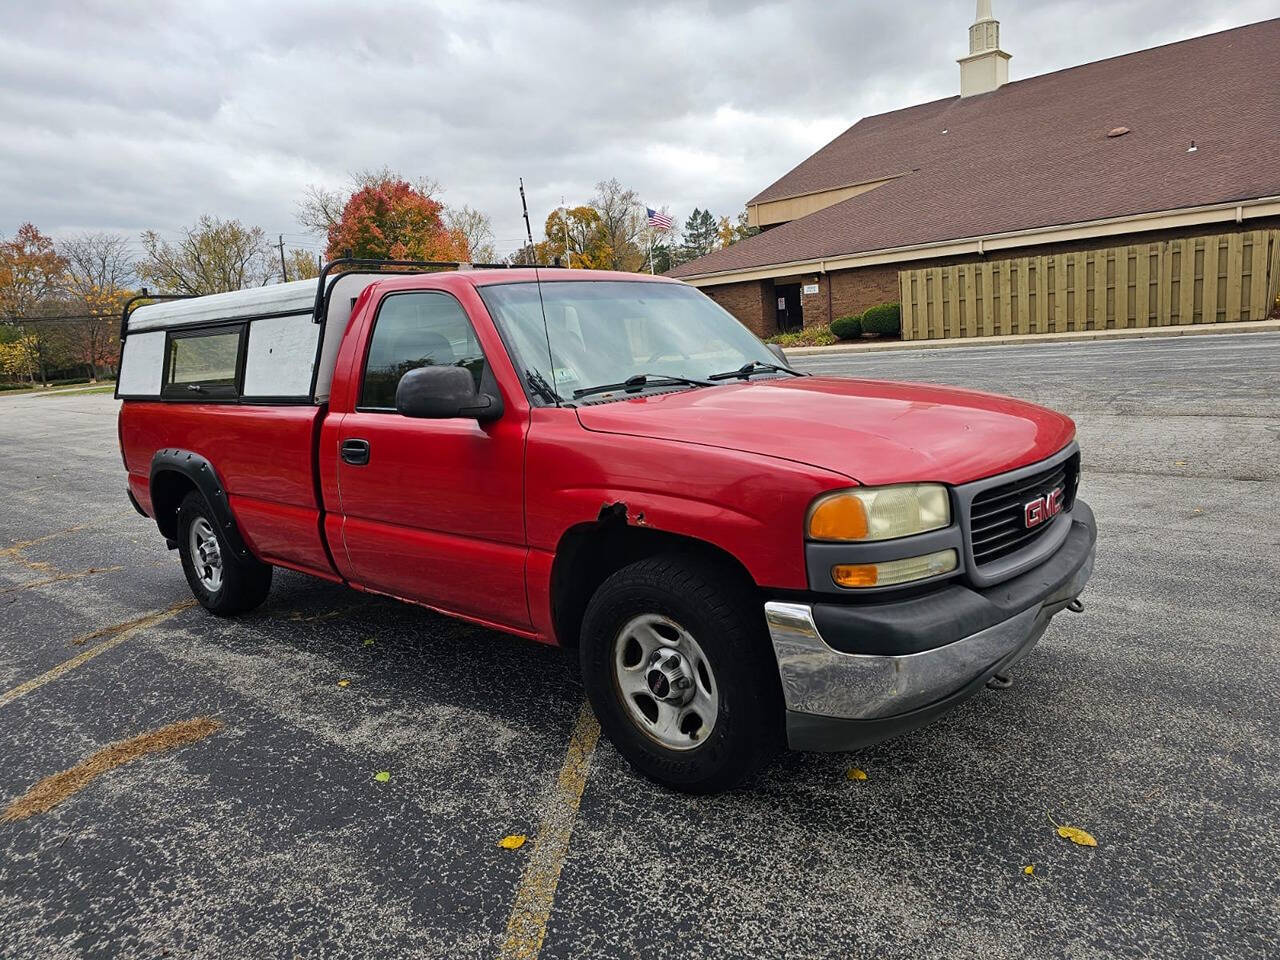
point(135, 116)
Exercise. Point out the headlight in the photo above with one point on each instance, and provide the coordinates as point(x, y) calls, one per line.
point(879, 513)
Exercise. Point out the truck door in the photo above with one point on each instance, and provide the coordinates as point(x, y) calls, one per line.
point(432, 509)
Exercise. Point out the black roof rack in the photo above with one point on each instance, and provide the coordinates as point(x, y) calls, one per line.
point(347, 264)
point(133, 302)
point(368, 265)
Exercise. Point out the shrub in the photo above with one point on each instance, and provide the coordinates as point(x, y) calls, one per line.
point(883, 319)
point(847, 327)
point(68, 381)
point(815, 336)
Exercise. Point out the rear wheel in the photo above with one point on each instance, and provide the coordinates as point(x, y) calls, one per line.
point(224, 584)
point(677, 668)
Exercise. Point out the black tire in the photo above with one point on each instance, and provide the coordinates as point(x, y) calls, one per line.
point(244, 583)
point(725, 618)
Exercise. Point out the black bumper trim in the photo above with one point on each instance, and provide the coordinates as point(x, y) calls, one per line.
point(934, 620)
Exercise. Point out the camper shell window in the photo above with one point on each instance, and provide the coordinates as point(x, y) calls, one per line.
point(204, 364)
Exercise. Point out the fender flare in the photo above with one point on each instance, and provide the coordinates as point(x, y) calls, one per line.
point(201, 473)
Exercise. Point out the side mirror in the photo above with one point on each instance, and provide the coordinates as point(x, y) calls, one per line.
point(441, 393)
point(777, 352)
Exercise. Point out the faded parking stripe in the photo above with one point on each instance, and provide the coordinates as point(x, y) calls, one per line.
point(536, 894)
point(115, 635)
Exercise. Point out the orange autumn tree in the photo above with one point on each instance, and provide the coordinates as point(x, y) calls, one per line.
point(390, 220)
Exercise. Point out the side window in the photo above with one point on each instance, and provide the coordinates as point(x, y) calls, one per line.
point(413, 330)
point(203, 364)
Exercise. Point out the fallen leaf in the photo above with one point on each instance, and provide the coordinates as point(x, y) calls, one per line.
point(368, 641)
point(1076, 835)
point(1029, 869)
point(855, 773)
point(382, 776)
point(344, 682)
point(512, 841)
point(1179, 463)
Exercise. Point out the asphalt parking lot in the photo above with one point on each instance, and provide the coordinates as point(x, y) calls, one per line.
point(1150, 721)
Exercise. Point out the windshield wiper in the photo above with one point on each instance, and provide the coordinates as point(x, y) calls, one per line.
point(745, 371)
point(639, 381)
point(541, 387)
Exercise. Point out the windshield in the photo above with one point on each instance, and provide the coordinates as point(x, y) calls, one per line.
point(605, 331)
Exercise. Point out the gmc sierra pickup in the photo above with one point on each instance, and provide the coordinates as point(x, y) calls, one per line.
point(738, 553)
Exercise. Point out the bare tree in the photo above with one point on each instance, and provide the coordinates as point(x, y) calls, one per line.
point(213, 256)
point(97, 261)
point(478, 230)
point(320, 208)
point(622, 218)
point(99, 279)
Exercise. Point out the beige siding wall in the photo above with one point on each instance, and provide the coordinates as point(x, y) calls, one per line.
point(1184, 280)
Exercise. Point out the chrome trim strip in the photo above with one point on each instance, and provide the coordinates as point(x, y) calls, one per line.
point(817, 679)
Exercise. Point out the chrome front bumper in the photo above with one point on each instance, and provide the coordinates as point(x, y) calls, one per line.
point(837, 700)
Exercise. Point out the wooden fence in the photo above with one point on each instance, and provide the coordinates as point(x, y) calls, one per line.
point(1234, 276)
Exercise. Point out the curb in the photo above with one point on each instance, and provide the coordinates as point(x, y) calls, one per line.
point(1250, 326)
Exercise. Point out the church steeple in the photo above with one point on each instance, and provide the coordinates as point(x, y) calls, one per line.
point(987, 66)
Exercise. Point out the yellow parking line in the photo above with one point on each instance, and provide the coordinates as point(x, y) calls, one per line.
point(53, 789)
point(527, 927)
point(116, 635)
point(14, 550)
point(77, 575)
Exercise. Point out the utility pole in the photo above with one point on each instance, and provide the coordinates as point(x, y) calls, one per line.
point(527, 229)
point(284, 274)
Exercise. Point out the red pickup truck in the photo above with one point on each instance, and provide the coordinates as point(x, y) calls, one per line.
point(740, 554)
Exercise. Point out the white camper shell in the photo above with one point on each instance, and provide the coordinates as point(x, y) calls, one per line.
point(287, 344)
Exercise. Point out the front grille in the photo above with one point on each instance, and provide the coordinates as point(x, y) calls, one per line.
point(996, 518)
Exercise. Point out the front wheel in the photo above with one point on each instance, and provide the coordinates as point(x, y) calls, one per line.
point(677, 667)
point(224, 584)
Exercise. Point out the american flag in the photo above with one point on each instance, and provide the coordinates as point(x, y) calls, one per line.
point(659, 221)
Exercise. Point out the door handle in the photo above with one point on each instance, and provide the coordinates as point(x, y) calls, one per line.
point(355, 452)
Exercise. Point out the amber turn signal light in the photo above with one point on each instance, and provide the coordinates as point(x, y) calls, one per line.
point(855, 574)
point(838, 518)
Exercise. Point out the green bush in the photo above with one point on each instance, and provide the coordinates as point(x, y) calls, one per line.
point(815, 336)
point(883, 319)
point(847, 327)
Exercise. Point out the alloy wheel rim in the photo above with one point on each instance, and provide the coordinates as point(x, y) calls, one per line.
point(665, 682)
point(206, 555)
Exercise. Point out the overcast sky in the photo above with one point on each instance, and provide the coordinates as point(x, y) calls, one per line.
point(127, 116)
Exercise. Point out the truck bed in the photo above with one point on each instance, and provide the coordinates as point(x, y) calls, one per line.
point(266, 459)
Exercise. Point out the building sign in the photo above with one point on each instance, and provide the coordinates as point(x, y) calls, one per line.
point(810, 289)
point(782, 303)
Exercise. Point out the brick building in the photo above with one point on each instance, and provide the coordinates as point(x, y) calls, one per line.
point(1175, 141)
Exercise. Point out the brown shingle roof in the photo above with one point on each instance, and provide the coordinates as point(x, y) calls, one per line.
point(1035, 153)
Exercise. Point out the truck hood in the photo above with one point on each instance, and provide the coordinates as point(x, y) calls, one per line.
point(872, 431)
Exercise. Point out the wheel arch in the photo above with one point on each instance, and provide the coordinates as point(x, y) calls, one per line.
point(589, 553)
point(174, 474)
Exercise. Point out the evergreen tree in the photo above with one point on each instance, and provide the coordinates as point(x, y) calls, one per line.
point(701, 234)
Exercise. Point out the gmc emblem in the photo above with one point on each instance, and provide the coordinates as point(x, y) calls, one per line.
point(1042, 508)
